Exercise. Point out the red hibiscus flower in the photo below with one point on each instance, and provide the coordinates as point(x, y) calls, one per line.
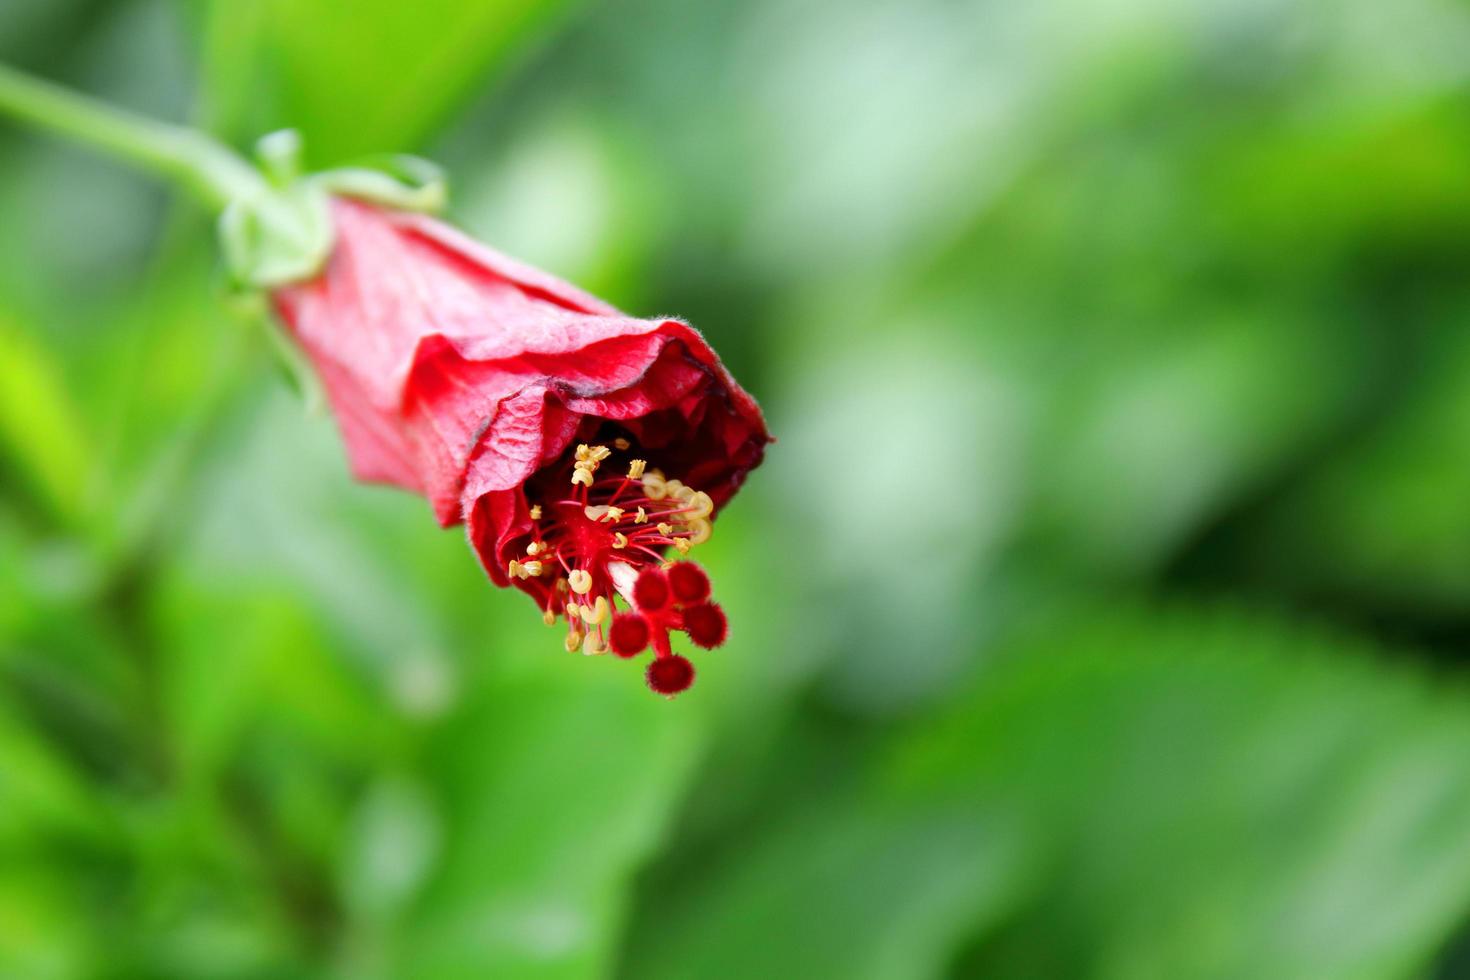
point(580, 446)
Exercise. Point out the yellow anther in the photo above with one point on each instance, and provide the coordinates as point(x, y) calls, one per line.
point(574, 610)
point(595, 513)
point(636, 468)
point(535, 512)
point(614, 514)
point(682, 545)
point(595, 645)
point(561, 585)
point(620, 540)
point(682, 493)
point(654, 487)
point(641, 517)
point(672, 488)
point(622, 443)
point(513, 570)
point(699, 530)
point(534, 547)
point(580, 581)
point(587, 462)
point(532, 569)
point(665, 528)
point(592, 454)
point(701, 505)
point(594, 613)
point(584, 477)
point(548, 617)
point(573, 640)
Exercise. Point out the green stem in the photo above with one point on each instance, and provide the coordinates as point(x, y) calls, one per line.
point(208, 167)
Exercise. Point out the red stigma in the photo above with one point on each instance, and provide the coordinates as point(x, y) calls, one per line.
point(670, 675)
point(688, 582)
point(705, 623)
point(628, 635)
point(651, 590)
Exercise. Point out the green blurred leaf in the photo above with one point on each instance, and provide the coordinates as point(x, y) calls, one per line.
point(1382, 522)
point(1137, 793)
point(273, 664)
point(357, 76)
point(554, 790)
point(828, 879)
point(42, 793)
point(1222, 795)
point(43, 930)
point(41, 437)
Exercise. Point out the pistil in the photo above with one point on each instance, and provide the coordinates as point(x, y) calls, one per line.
point(604, 539)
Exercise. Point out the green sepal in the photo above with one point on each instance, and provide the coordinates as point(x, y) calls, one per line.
point(280, 231)
point(251, 308)
point(400, 181)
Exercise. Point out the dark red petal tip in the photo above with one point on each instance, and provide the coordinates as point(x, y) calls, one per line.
point(651, 590)
point(670, 675)
point(628, 635)
point(688, 582)
point(705, 623)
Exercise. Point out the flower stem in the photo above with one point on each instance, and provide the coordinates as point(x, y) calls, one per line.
point(209, 168)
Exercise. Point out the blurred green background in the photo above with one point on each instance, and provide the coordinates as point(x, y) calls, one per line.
point(1103, 611)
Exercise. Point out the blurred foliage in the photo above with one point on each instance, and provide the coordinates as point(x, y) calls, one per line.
point(1102, 611)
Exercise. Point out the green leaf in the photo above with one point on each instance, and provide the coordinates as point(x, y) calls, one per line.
point(554, 789)
point(1383, 520)
point(357, 76)
point(849, 885)
point(1135, 793)
point(40, 434)
point(1221, 795)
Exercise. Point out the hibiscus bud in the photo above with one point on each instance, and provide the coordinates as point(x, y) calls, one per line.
point(498, 392)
